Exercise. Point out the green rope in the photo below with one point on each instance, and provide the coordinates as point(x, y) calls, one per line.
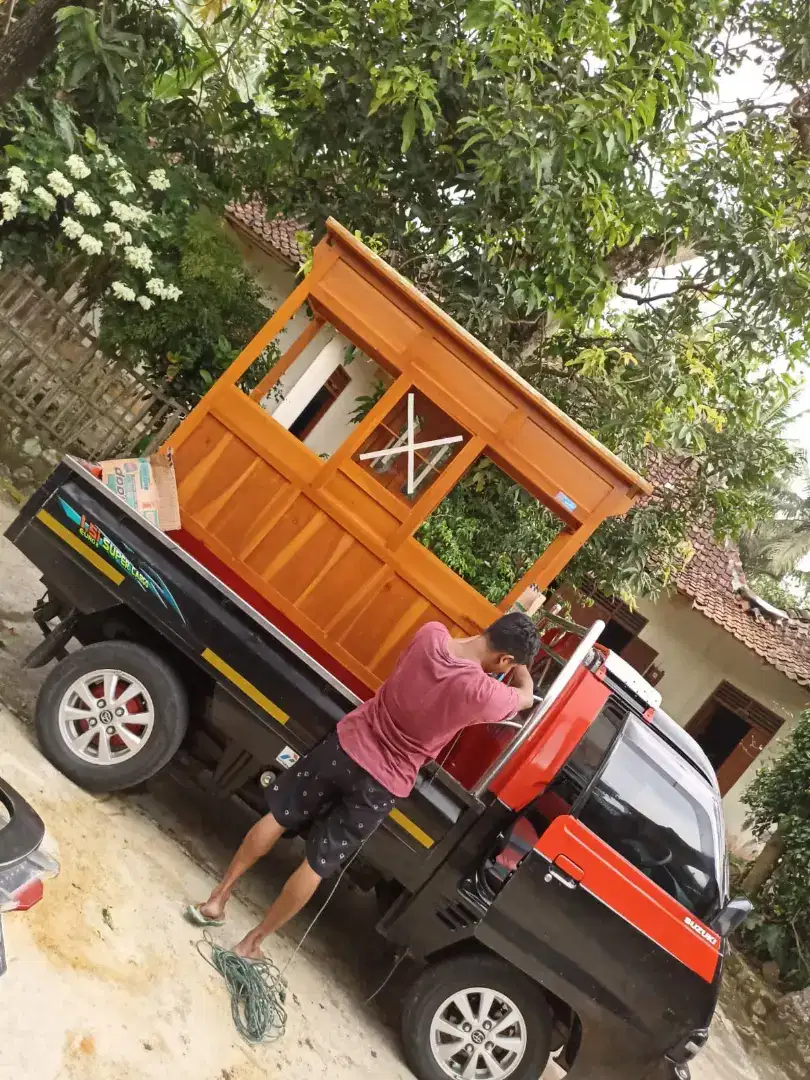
point(257, 989)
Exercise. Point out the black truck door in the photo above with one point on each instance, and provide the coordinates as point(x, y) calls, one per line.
point(609, 907)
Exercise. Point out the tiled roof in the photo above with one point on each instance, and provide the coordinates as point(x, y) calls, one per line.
point(715, 582)
point(276, 234)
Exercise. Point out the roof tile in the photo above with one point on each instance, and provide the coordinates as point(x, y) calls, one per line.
point(276, 233)
point(712, 580)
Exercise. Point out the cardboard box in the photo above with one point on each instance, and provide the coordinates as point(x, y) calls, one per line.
point(530, 601)
point(147, 485)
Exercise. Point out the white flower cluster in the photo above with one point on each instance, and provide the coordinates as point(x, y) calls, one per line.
point(10, 201)
point(17, 179)
point(158, 180)
point(86, 205)
point(122, 291)
point(59, 183)
point(123, 183)
point(45, 197)
point(158, 287)
point(139, 257)
point(72, 228)
point(129, 214)
point(91, 245)
point(145, 302)
point(77, 168)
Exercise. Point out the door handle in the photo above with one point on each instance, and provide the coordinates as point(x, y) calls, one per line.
point(555, 874)
point(565, 871)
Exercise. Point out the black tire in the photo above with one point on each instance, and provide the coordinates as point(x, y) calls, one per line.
point(170, 703)
point(441, 980)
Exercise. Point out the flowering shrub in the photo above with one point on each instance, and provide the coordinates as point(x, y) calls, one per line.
point(55, 200)
point(173, 296)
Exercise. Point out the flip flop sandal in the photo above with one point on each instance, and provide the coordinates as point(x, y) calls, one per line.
point(195, 916)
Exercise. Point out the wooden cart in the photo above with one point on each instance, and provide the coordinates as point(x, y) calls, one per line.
point(324, 544)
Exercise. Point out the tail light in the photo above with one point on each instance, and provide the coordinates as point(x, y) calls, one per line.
point(21, 883)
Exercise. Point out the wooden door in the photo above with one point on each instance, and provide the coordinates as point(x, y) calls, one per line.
point(639, 655)
point(744, 754)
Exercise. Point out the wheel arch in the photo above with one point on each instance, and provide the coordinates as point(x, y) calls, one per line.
point(566, 1021)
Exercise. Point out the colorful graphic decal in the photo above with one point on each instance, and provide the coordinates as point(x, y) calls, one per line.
point(149, 580)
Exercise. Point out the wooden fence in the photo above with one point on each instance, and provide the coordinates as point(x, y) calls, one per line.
point(58, 385)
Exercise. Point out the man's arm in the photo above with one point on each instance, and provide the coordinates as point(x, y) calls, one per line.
point(520, 678)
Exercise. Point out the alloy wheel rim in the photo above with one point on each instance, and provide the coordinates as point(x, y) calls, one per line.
point(106, 716)
point(478, 1034)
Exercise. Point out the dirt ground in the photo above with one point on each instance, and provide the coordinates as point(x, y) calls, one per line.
point(104, 981)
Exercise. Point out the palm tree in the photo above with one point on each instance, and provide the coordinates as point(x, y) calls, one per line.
point(778, 547)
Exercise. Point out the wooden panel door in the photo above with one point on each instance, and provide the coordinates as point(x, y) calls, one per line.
point(741, 757)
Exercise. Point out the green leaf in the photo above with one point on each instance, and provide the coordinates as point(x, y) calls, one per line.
point(408, 128)
point(428, 119)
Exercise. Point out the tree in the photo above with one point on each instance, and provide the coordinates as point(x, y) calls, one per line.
point(779, 812)
point(532, 167)
point(136, 100)
point(777, 547)
point(28, 42)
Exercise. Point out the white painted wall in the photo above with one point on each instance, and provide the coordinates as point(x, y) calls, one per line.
point(696, 655)
point(277, 280)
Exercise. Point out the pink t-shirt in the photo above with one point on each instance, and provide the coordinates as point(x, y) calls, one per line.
point(428, 697)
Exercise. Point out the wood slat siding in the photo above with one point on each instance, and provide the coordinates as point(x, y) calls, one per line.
point(323, 541)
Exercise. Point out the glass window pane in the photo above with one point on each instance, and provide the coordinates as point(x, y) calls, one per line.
point(580, 768)
point(647, 806)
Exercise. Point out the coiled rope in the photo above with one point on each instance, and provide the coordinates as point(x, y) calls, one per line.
point(257, 989)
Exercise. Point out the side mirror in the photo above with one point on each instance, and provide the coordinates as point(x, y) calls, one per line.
point(731, 916)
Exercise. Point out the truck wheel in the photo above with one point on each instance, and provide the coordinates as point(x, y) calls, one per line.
point(476, 1016)
point(111, 715)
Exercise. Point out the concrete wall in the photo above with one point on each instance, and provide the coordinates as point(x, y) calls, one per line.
point(277, 280)
point(696, 656)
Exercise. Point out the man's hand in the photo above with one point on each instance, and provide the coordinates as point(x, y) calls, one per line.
point(520, 677)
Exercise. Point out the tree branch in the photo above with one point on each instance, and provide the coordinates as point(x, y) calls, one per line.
point(747, 109)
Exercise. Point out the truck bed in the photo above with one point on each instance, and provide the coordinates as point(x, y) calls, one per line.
point(263, 691)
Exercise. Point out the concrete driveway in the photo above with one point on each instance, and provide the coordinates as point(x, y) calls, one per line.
point(104, 980)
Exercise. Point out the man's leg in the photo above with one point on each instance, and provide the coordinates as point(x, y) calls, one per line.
point(298, 889)
point(259, 841)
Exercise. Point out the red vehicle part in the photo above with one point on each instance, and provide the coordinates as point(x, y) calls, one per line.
point(540, 758)
point(629, 893)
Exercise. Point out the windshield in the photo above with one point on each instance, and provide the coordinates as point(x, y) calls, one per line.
point(657, 812)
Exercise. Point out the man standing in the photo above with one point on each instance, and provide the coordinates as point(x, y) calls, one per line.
point(346, 786)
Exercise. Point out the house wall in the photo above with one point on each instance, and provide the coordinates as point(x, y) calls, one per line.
point(696, 655)
point(277, 280)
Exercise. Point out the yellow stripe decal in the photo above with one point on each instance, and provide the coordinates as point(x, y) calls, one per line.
point(246, 687)
point(411, 827)
point(80, 546)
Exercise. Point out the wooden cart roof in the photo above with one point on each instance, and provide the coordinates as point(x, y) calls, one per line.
point(338, 234)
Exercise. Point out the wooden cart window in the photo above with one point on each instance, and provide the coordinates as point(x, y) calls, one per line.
point(489, 530)
point(318, 388)
point(411, 447)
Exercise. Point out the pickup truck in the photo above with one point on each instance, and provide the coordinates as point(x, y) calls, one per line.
point(562, 878)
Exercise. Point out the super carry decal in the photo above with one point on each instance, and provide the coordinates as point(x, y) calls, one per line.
point(149, 580)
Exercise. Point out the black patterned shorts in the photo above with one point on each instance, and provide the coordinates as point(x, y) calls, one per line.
point(333, 800)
